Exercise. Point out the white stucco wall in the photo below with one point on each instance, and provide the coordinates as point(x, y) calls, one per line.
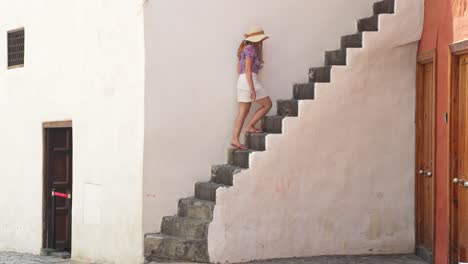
point(84, 62)
point(340, 180)
point(190, 96)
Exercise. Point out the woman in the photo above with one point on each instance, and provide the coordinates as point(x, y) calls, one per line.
point(249, 89)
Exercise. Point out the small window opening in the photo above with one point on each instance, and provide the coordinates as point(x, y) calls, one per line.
point(16, 48)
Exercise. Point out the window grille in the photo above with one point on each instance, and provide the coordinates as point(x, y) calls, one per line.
point(16, 48)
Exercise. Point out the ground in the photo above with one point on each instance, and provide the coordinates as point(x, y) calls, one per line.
point(15, 258)
point(391, 259)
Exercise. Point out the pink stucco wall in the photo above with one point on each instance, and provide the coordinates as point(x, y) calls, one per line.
point(446, 22)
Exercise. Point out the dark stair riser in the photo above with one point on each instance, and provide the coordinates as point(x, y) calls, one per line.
point(273, 124)
point(207, 190)
point(384, 7)
point(335, 57)
point(184, 227)
point(287, 107)
point(351, 41)
point(369, 24)
point(195, 208)
point(320, 74)
point(165, 248)
point(304, 91)
point(224, 174)
point(256, 141)
point(239, 158)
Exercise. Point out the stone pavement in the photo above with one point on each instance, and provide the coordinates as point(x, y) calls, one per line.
point(389, 259)
point(15, 258)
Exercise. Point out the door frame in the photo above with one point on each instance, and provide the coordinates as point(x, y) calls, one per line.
point(45, 126)
point(456, 51)
point(422, 59)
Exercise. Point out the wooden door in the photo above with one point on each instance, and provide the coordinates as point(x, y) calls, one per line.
point(58, 187)
point(459, 145)
point(425, 161)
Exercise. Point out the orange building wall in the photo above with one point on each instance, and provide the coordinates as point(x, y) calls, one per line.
point(446, 22)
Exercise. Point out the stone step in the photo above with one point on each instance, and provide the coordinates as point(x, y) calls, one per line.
point(369, 24)
point(195, 208)
point(351, 41)
point(239, 158)
point(335, 57)
point(207, 190)
point(320, 74)
point(159, 247)
point(184, 227)
point(304, 91)
point(256, 141)
point(224, 174)
point(384, 7)
point(287, 107)
point(273, 124)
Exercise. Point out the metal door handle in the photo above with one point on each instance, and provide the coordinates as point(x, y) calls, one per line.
point(425, 173)
point(462, 182)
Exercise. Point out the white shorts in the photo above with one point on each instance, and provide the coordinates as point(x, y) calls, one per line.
point(243, 89)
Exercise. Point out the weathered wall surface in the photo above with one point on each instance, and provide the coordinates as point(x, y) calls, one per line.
point(445, 22)
point(340, 180)
point(84, 61)
point(190, 96)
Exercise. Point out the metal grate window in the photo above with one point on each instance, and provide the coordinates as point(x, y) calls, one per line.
point(16, 48)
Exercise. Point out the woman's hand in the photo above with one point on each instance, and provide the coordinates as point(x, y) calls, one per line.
point(253, 95)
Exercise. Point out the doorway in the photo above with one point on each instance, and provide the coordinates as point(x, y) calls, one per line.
point(459, 155)
point(58, 183)
point(425, 157)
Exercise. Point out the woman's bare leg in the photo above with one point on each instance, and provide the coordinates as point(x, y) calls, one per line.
point(244, 109)
point(261, 112)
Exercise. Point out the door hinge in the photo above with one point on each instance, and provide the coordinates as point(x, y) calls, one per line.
point(446, 118)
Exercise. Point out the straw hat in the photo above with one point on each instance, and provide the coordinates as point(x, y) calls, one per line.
point(256, 34)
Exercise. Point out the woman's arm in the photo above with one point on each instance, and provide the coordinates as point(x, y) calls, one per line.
point(238, 66)
point(248, 74)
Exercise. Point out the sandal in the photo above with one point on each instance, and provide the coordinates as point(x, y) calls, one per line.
point(255, 131)
point(239, 146)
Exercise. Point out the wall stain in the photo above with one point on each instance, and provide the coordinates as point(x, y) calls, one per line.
point(283, 184)
point(383, 222)
point(375, 226)
point(326, 224)
point(380, 195)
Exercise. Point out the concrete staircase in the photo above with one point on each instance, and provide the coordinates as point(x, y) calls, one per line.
point(184, 237)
